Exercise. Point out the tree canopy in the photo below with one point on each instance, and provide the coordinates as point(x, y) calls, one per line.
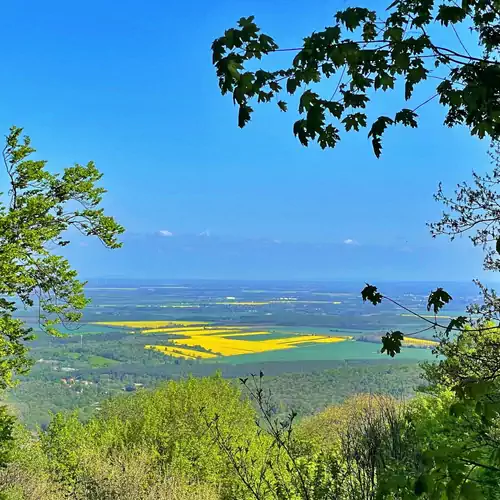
point(365, 51)
point(38, 214)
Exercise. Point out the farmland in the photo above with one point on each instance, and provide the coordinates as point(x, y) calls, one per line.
point(219, 341)
point(138, 334)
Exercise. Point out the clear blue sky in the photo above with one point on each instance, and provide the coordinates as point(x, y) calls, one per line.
point(130, 85)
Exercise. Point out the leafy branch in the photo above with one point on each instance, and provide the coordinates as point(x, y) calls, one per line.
point(382, 52)
point(38, 213)
point(392, 341)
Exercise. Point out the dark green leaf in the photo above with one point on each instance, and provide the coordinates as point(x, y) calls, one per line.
point(423, 484)
point(437, 300)
point(306, 100)
point(406, 117)
point(291, 85)
point(470, 491)
point(456, 324)
point(246, 22)
point(300, 131)
point(371, 294)
point(457, 409)
point(352, 17)
point(391, 343)
point(244, 115)
point(283, 106)
point(376, 131)
point(450, 14)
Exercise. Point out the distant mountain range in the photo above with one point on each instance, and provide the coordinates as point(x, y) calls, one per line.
point(213, 257)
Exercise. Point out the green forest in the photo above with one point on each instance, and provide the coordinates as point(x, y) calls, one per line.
point(347, 431)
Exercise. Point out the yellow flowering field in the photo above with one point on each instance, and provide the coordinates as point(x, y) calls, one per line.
point(198, 330)
point(419, 342)
point(218, 340)
point(224, 346)
point(179, 352)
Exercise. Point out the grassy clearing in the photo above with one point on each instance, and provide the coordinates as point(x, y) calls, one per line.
point(101, 362)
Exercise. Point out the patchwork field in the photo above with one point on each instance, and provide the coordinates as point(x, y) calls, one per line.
point(136, 334)
point(208, 341)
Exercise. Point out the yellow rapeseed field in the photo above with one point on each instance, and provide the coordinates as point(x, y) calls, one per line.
point(242, 334)
point(217, 340)
point(231, 347)
point(209, 330)
point(419, 342)
point(179, 352)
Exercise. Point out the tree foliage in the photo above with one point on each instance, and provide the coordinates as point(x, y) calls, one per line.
point(460, 457)
point(37, 215)
point(474, 210)
point(366, 51)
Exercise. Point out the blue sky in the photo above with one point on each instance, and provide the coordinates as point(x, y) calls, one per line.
point(130, 85)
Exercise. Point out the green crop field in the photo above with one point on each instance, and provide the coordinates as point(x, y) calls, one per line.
point(107, 358)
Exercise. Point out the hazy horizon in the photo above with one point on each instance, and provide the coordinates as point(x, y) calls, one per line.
point(176, 164)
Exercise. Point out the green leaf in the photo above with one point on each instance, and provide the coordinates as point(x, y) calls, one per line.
point(470, 491)
point(456, 324)
point(335, 108)
point(495, 455)
point(315, 119)
point(469, 92)
point(450, 14)
point(283, 106)
point(406, 117)
point(423, 484)
point(328, 69)
point(457, 409)
point(306, 100)
point(244, 115)
point(478, 388)
point(394, 33)
point(246, 22)
point(218, 50)
point(354, 121)
point(452, 489)
point(384, 81)
point(355, 100)
point(233, 67)
point(391, 343)
point(438, 299)
point(300, 131)
point(328, 137)
point(291, 85)
point(352, 17)
point(371, 294)
point(376, 131)
point(393, 4)
point(369, 31)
